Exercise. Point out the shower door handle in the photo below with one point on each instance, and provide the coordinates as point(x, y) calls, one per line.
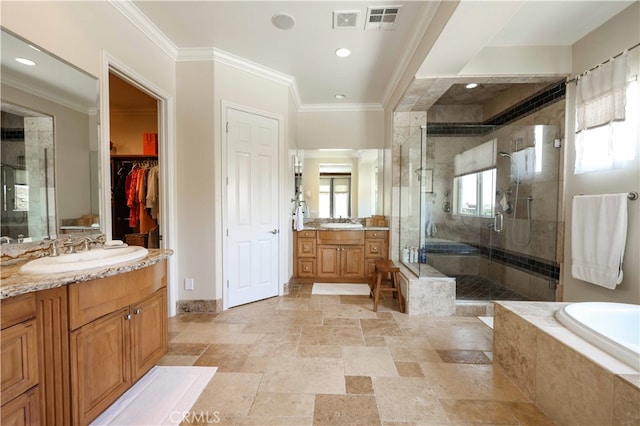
point(497, 224)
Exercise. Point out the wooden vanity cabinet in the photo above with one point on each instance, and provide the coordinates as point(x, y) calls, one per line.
point(305, 254)
point(19, 374)
point(340, 255)
point(118, 332)
point(375, 248)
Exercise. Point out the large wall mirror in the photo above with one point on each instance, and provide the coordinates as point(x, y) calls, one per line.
point(340, 183)
point(49, 145)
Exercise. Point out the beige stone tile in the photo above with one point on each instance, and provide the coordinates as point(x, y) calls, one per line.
point(626, 400)
point(331, 335)
point(202, 317)
point(478, 412)
point(411, 349)
point(409, 369)
point(254, 365)
point(375, 341)
point(174, 360)
point(236, 420)
point(319, 351)
point(351, 322)
point(346, 410)
point(305, 317)
point(209, 333)
point(460, 335)
point(225, 357)
point(559, 371)
point(293, 304)
point(272, 345)
point(358, 384)
point(514, 348)
point(407, 399)
point(272, 326)
point(348, 311)
point(304, 375)
point(380, 327)
point(368, 361)
point(186, 348)
point(282, 405)
point(456, 356)
point(228, 394)
point(528, 414)
point(467, 381)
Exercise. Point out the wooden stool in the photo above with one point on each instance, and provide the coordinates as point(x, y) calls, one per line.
point(384, 267)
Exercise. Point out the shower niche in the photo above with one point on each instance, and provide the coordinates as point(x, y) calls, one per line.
point(479, 203)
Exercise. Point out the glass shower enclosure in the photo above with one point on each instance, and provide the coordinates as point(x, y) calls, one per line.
point(480, 203)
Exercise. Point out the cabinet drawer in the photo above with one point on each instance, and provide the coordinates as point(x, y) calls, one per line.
point(19, 359)
point(376, 234)
point(306, 247)
point(306, 234)
point(374, 249)
point(306, 268)
point(17, 309)
point(23, 410)
point(341, 237)
point(92, 299)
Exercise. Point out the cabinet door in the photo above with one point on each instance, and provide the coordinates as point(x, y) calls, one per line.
point(374, 249)
point(22, 411)
point(19, 359)
point(306, 268)
point(352, 261)
point(148, 332)
point(306, 247)
point(100, 364)
point(328, 261)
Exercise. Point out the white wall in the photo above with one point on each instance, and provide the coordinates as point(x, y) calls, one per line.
point(341, 129)
point(613, 37)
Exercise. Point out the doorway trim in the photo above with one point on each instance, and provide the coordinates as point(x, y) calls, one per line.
point(225, 106)
point(166, 161)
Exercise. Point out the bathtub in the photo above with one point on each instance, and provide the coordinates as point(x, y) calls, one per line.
point(612, 327)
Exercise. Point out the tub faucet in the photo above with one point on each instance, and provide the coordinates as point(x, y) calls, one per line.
point(5, 240)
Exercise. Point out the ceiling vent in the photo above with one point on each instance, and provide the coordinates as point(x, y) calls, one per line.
point(381, 17)
point(345, 19)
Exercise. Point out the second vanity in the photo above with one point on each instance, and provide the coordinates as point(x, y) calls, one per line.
point(73, 342)
point(336, 255)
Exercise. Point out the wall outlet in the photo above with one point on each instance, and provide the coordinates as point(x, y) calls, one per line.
point(188, 284)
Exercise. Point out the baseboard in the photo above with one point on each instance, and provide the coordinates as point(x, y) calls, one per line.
point(184, 306)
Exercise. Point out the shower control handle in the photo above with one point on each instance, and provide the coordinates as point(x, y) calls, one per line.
point(497, 224)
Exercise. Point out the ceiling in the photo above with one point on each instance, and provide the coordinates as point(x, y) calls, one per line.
point(368, 77)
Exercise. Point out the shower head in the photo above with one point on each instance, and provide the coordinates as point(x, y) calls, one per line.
point(506, 154)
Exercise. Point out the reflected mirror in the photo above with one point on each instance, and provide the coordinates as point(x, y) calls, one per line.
point(341, 183)
point(49, 145)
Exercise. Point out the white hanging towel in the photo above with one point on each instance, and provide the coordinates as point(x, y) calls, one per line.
point(598, 238)
point(299, 219)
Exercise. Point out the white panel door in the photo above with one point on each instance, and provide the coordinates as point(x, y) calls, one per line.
point(252, 207)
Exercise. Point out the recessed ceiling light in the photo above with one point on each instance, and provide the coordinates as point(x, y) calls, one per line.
point(33, 47)
point(343, 52)
point(340, 96)
point(283, 21)
point(471, 85)
point(25, 61)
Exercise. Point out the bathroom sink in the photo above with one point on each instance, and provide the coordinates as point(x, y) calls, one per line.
point(341, 225)
point(95, 258)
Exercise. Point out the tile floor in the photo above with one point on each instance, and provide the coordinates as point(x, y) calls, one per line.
point(329, 360)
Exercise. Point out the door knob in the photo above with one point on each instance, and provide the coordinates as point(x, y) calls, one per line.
point(274, 231)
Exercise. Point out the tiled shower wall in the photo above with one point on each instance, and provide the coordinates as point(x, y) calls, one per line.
point(531, 269)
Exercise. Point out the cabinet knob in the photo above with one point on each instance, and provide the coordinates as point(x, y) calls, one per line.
point(128, 317)
point(137, 311)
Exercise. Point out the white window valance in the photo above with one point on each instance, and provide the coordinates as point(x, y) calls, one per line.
point(476, 159)
point(601, 94)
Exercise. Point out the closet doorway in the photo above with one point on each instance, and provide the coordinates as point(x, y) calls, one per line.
point(134, 167)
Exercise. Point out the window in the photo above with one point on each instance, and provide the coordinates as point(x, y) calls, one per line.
point(474, 193)
point(335, 196)
point(606, 118)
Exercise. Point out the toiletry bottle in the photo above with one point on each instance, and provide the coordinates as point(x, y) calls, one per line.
point(423, 254)
point(405, 254)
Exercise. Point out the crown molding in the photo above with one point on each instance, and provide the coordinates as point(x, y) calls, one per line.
point(144, 24)
point(340, 108)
